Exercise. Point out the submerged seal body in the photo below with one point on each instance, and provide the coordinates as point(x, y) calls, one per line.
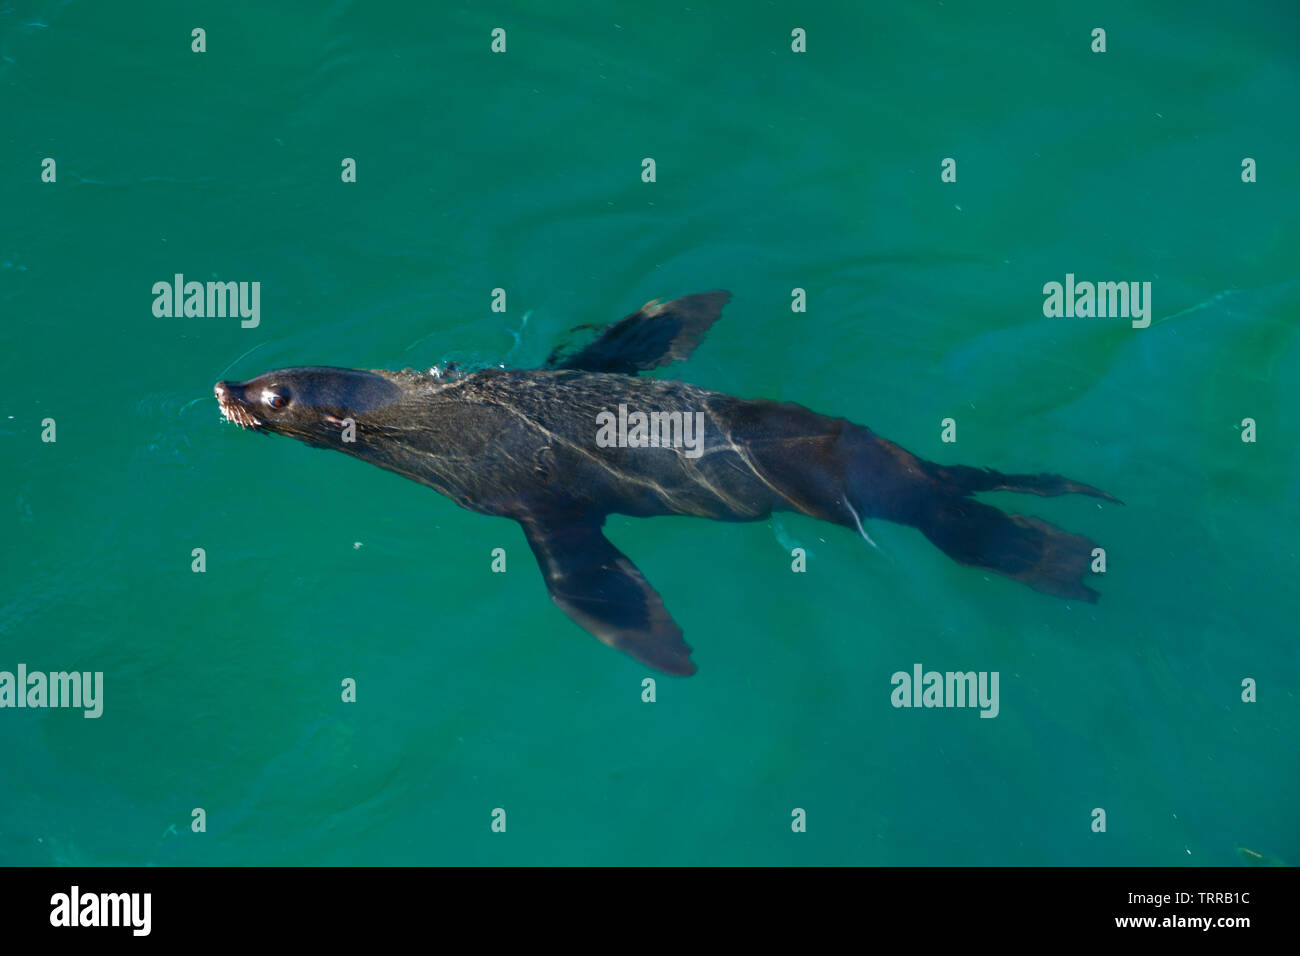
point(560, 448)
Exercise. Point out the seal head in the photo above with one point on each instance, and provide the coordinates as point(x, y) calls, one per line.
point(310, 404)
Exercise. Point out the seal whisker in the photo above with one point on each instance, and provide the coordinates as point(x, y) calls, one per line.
point(240, 359)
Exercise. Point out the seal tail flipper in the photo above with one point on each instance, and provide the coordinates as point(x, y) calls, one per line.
point(967, 480)
point(1028, 550)
point(887, 481)
point(658, 333)
point(603, 592)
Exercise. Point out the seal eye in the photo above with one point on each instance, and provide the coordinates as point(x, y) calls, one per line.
point(275, 399)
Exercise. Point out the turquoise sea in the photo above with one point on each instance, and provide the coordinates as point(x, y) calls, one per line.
point(774, 170)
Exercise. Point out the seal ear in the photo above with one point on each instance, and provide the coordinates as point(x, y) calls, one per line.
point(656, 334)
point(596, 585)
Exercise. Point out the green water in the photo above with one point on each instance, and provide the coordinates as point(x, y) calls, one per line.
point(775, 170)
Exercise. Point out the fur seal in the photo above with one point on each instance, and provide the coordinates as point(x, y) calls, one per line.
point(523, 444)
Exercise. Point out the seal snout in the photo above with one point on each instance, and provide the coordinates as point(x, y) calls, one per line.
point(233, 405)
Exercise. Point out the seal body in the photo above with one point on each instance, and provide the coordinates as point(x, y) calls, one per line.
point(509, 442)
point(540, 446)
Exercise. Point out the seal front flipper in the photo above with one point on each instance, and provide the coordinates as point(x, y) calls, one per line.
point(656, 334)
point(596, 585)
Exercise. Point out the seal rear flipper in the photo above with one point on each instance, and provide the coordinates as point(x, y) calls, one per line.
point(658, 333)
point(596, 585)
point(967, 480)
point(1026, 549)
